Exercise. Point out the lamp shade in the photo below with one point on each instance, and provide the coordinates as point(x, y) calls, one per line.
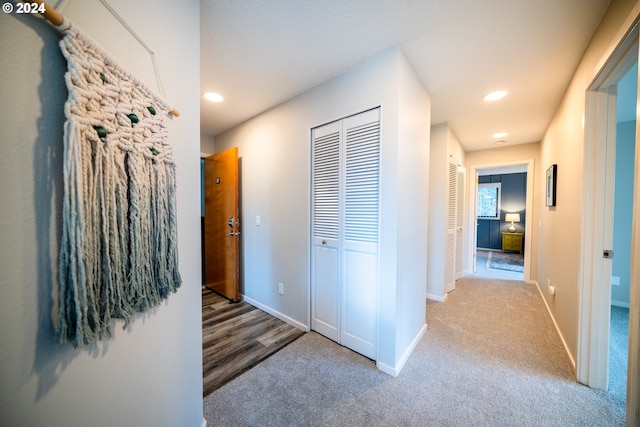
point(512, 217)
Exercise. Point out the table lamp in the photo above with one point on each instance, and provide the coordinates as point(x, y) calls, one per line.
point(512, 217)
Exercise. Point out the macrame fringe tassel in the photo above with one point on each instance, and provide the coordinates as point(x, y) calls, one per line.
point(119, 252)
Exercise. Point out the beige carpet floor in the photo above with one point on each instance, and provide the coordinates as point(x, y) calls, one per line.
point(490, 357)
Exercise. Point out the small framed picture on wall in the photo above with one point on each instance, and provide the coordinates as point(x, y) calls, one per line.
point(552, 173)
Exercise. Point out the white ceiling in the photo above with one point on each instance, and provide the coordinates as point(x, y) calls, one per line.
point(260, 53)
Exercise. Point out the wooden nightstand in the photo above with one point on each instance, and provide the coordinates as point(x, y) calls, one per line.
point(512, 242)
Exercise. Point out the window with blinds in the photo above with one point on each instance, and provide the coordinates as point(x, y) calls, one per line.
point(489, 200)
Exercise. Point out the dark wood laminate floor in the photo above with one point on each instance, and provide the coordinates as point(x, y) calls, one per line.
point(236, 337)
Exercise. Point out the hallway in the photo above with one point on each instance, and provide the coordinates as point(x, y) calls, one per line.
point(619, 331)
point(491, 356)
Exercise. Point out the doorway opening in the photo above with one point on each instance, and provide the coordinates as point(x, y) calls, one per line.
point(495, 251)
point(610, 294)
point(625, 143)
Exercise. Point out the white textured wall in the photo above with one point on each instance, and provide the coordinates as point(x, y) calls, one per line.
point(413, 188)
point(207, 145)
point(563, 144)
point(437, 212)
point(150, 373)
point(445, 148)
point(274, 150)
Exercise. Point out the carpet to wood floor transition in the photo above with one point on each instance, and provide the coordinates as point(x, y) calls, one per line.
point(236, 337)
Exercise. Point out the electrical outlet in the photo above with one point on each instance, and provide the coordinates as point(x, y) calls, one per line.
point(281, 288)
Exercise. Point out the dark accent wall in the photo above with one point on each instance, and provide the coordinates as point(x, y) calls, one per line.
point(513, 188)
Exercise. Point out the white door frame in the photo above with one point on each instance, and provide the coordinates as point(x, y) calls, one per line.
point(594, 298)
point(460, 227)
point(472, 221)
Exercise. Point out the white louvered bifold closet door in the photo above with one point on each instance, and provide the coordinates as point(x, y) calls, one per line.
point(325, 230)
point(450, 257)
point(345, 187)
point(360, 250)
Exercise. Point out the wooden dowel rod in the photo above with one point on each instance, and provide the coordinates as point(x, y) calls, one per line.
point(53, 16)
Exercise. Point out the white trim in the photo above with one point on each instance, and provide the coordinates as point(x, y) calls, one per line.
point(204, 423)
point(594, 300)
point(620, 304)
point(387, 369)
point(564, 342)
point(437, 297)
point(633, 371)
point(395, 370)
point(625, 30)
point(276, 313)
point(597, 227)
point(592, 318)
point(489, 249)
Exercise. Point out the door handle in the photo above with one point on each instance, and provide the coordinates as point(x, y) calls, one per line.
point(231, 233)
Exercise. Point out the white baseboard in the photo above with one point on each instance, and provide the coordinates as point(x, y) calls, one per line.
point(437, 298)
point(395, 370)
point(276, 314)
point(564, 342)
point(204, 423)
point(620, 304)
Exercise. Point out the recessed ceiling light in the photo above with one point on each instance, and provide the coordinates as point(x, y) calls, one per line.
point(213, 97)
point(500, 135)
point(494, 96)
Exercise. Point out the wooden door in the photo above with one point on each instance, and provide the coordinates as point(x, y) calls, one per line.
point(221, 224)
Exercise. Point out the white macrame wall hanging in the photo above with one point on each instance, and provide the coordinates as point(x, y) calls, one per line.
point(119, 247)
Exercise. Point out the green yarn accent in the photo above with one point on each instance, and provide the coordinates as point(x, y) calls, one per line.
point(102, 133)
point(152, 110)
point(154, 151)
point(103, 78)
point(133, 118)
